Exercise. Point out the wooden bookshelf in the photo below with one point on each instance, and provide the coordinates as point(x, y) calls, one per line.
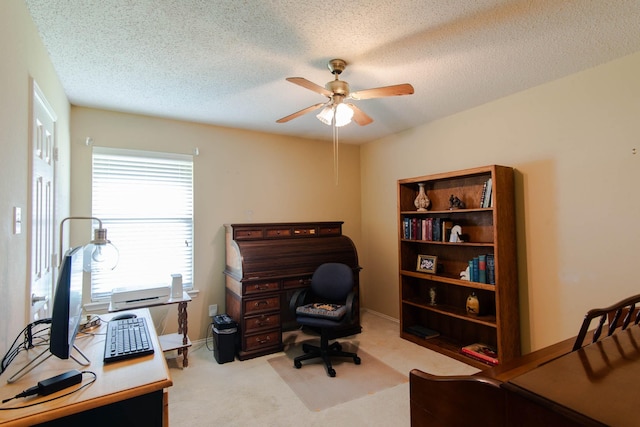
point(486, 230)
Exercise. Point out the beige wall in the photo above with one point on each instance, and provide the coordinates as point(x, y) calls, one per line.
point(239, 176)
point(22, 56)
point(571, 142)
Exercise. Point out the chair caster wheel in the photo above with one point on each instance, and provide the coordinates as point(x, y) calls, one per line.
point(331, 372)
point(297, 364)
point(357, 360)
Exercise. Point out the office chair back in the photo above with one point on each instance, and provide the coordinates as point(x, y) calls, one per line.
point(619, 315)
point(332, 281)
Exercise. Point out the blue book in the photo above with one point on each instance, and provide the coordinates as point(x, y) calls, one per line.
point(491, 269)
point(476, 270)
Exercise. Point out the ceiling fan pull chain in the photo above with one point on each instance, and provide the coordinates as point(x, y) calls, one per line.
point(335, 150)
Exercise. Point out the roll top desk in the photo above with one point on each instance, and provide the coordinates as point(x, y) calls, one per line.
point(265, 264)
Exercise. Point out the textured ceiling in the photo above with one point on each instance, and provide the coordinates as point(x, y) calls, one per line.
point(224, 62)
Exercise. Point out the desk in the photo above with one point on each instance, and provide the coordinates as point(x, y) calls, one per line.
point(594, 385)
point(125, 393)
point(178, 341)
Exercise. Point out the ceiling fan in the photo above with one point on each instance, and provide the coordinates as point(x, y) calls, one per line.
point(336, 111)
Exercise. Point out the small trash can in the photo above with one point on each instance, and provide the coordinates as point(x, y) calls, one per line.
point(224, 338)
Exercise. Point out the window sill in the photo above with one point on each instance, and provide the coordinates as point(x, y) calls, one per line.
point(102, 306)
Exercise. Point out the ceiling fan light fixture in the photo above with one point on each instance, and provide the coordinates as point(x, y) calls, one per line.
point(344, 114)
point(326, 115)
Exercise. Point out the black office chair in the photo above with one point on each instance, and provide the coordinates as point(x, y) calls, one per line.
point(327, 304)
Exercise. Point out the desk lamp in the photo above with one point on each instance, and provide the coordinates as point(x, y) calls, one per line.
point(100, 253)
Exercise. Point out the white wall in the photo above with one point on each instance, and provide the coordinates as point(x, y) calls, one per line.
point(239, 176)
point(22, 55)
point(571, 142)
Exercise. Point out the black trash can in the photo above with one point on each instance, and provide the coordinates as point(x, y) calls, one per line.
point(224, 338)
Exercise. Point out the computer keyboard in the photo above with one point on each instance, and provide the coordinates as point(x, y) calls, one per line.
point(126, 339)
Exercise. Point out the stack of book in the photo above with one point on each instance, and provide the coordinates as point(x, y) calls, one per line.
point(486, 200)
point(482, 269)
point(428, 229)
point(482, 352)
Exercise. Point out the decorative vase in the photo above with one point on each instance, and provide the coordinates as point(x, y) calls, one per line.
point(422, 202)
point(473, 305)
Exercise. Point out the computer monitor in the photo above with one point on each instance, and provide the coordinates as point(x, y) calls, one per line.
point(67, 304)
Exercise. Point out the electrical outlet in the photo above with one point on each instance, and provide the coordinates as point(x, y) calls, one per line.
point(213, 310)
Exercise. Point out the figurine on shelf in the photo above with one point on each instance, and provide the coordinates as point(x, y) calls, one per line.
point(464, 274)
point(456, 234)
point(432, 295)
point(473, 305)
point(456, 203)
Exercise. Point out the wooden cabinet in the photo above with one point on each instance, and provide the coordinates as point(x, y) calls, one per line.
point(266, 264)
point(485, 232)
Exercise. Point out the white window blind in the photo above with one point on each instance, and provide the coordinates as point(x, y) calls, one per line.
point(145, 201)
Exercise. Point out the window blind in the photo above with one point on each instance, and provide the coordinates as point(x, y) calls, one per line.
point(145, 201)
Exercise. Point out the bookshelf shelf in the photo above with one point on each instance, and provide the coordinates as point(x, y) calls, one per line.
point(488, 233)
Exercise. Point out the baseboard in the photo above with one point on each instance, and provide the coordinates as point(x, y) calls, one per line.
point(382, 315)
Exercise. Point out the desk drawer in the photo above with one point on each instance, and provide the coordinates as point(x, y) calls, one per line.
point(268, 339)
point(255, 288)
point(261, 305)
point(264, 321)
point(278, 232)
point(247, 233)
point(300, 282)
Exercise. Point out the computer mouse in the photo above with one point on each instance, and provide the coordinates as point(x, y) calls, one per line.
point(124, 316)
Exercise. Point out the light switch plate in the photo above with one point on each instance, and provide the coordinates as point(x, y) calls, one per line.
point(17, 220)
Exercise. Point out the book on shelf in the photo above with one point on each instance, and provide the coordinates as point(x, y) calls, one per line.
point(475, 269)
point(422, 332)
point(437, 229)
point(491, 269)
point(482, 352)
point(484, 192)
point(486, 201)
point(482, 268)
point(446, 230)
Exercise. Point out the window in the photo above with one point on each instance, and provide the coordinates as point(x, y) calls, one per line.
point(145, 201)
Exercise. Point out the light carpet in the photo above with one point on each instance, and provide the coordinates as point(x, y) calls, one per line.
point(318, 391)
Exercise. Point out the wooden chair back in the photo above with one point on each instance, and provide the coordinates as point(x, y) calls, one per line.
point(619, 315)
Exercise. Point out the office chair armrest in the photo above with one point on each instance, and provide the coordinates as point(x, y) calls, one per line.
point(351, 307)
point(299, 298)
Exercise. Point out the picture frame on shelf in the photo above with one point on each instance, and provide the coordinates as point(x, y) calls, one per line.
point(427, 264)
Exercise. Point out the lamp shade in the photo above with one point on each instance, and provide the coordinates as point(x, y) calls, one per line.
point(343, 113)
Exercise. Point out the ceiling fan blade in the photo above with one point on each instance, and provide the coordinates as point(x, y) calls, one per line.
point(380, 92)
point(359, 116)
point(300, 81)
point(300, 113)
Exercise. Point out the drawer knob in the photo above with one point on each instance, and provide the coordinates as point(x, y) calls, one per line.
point(264, 340)
point(259, 303)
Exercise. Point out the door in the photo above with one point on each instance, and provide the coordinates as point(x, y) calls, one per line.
point(42, 146)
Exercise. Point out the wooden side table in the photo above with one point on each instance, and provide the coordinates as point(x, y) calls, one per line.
point(178, 341)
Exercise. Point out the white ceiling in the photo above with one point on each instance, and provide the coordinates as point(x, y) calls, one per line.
point(224, 62)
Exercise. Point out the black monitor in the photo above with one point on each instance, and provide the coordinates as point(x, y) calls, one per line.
point(67, 304)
